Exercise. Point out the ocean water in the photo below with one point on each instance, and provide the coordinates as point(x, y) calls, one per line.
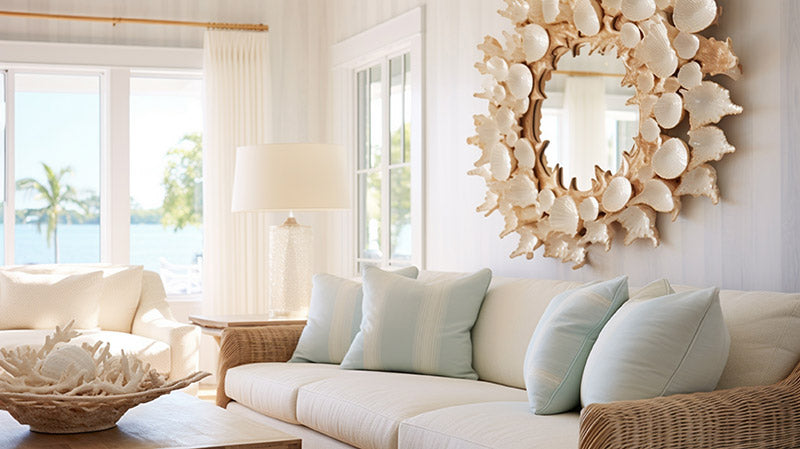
point(150, 244)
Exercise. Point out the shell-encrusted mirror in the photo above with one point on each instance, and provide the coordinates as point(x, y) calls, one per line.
point(560, 78)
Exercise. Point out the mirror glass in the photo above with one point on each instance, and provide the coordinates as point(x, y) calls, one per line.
point(585, 117)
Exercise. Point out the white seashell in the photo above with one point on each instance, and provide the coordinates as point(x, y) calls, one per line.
point(520, 81)
point(493, 91)
point(550, 10)
point(521, 106)
point(531, 213)
point(66, 357)
point(700, 181)
point(535, 42)
point(617, 194)
point(517, 10)
point(489, 203)
point(668, 110)
point(522, 191)
point(505, 119)
point(638, 10)
point(498, 68)
point(585, 17)
point(686, 45)
point(671, 158)
point(649, 129)
point(708, 103)
point(691, 16)
point(708, 144)
point(500, 162)
point(656, 51)
point(511, 138)
point(564, 215)
point(612, 7)
point(597, 232)
point(546, 199)
point(657, 195)
point(523, 152)
point(488, 133)
point(690, 75)
point(527, 243)
point(630, 35)
point(645, 81)
point(646, 105)
point(589, 208)
point(639, 223)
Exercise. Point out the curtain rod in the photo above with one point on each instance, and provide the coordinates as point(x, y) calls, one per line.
point(116, 20)
point(579, 73)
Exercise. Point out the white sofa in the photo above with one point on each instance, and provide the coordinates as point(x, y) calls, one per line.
point(153, 334)
point(331, 407)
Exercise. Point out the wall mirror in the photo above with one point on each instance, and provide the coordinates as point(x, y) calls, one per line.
point(601, 115)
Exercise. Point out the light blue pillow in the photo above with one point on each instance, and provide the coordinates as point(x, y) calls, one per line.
point(334, 317)
point(416, 327)
point(562, 341)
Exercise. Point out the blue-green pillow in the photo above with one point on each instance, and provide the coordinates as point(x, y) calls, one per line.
point(334, 317)
point(562, 341)
point(416, 327)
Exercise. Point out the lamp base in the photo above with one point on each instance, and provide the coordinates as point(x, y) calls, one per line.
point(290, 269)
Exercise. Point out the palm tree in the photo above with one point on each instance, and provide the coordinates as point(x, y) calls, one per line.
point(58, 198)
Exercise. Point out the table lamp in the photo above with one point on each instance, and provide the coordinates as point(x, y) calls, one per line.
point(290, 177)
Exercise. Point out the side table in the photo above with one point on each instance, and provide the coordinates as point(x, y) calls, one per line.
point(214, 324)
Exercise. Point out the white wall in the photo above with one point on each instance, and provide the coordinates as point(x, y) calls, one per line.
point(748, 241)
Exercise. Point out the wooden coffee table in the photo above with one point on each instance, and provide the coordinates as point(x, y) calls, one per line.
point(176, 420)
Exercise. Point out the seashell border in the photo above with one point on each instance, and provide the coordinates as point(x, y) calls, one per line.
point(667, 63)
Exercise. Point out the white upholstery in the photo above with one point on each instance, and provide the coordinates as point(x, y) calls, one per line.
point(154, 352)
point(365, 408)
point(501, 425)
point(271, 388)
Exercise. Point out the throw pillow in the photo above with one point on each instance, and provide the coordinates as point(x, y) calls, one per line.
point(44, 301)
point(562, 340)
point(416, 327)
point(657, 347)
point(334, 317)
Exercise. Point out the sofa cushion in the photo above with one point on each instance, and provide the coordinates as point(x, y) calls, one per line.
point(418, 327)
point(271, 388)
point(119, 294)
point(501, 425)
point(334, 317)
point(44, 301)
point(154, 352)
point(365, 408)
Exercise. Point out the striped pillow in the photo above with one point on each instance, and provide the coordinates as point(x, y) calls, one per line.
point(562, 340)
point(334, 315)
point(416, 327)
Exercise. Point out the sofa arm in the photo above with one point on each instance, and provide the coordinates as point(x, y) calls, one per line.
point(183, 340)
point(745, 417)
point(243, 345)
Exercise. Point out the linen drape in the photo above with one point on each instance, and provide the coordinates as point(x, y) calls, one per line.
point(585, 104)
point(237, 112)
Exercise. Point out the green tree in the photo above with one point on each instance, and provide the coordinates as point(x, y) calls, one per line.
point(59, 197)
point(183, 197)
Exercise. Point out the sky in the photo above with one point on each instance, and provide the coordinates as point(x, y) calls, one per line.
point(58, 122)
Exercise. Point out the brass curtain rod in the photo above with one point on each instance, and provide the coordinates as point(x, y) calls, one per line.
point(578, 73)
point(116, 20)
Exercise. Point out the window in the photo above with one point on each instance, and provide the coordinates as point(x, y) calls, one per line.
point(380, 71)
point(166, 179)
point(103, 163)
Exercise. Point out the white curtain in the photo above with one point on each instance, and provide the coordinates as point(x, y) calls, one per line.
point(585, 105)
point(235, 250)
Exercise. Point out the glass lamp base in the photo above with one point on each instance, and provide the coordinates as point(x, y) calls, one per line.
point(290, 269)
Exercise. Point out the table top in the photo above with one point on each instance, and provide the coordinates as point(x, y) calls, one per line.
point(176, 420)
point(223, 321)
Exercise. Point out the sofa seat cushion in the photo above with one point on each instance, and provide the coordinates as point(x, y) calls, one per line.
point(271, 388)
point(154, 352)
point(506, 425)
point(365, 408)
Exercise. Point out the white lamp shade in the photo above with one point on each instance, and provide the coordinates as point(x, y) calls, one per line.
point(297, 176)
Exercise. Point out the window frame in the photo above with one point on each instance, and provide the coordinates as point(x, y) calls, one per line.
point(115, 65)
point(400, 35)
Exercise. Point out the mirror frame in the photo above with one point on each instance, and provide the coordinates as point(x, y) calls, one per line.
point(666, 62)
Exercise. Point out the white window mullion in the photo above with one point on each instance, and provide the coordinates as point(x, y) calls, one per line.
point(115, 212)
point(9, 215)
point(386, 153)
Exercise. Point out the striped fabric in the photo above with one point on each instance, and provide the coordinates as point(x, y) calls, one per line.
point(562, 340)
point(416, 327)
point(334, 316)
